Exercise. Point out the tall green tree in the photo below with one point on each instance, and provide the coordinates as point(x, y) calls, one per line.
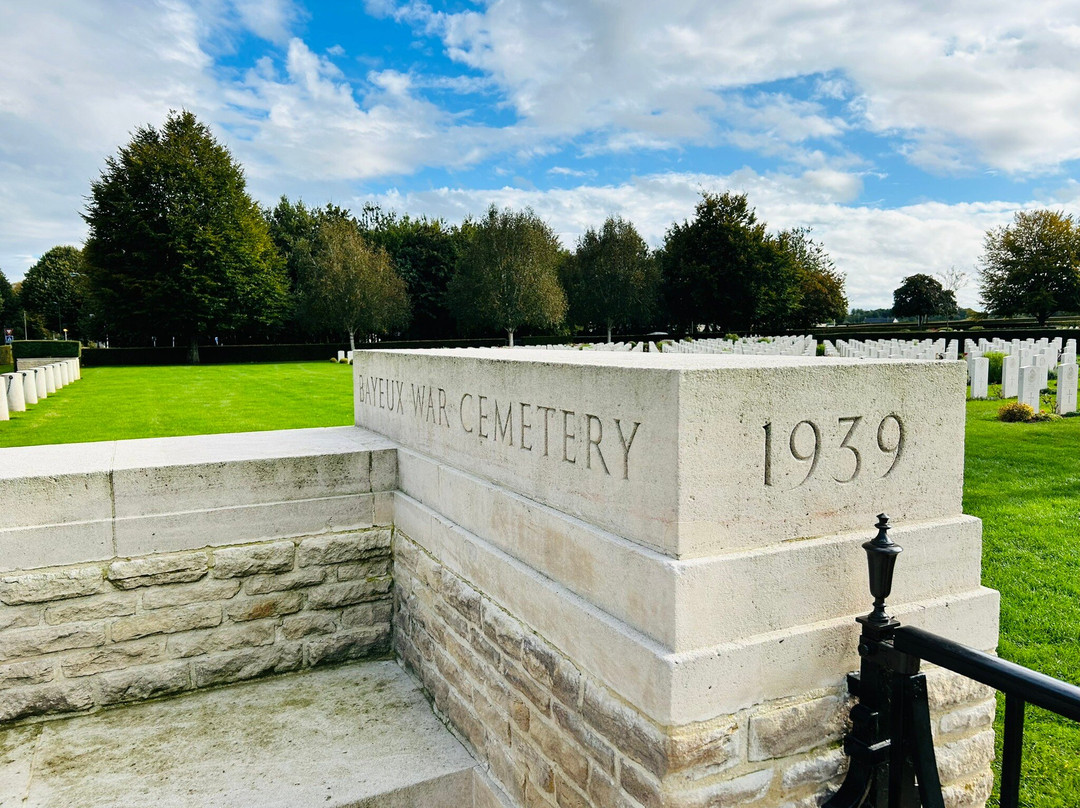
point(1032, 266)
point(722, 269)
point(352, 285)
point(424, 252)
point(507, 275)
point(921, 296)
point(612, 278)
point(9, 305)
point(53, 289)
point(820, 296)
point(176, 244)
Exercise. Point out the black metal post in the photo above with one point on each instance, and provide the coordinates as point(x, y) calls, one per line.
point(1012, 747)
point(868, 745)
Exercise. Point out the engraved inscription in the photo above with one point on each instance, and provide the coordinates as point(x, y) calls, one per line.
point(581, 439)
point(806, 447)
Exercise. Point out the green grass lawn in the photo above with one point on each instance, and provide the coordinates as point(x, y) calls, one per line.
point(1023, 481)
point(152, 402)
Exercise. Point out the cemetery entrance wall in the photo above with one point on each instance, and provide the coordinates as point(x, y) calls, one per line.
point(623, 580)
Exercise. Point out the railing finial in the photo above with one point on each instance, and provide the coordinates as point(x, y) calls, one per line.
point(881, 554)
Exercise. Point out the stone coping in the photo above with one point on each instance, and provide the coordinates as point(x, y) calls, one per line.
point(83, 458)
point(360, 734)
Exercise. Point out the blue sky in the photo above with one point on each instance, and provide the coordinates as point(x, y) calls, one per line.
point(899, 133)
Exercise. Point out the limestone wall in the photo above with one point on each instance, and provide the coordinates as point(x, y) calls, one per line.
point(552, 735)
point(146, 568)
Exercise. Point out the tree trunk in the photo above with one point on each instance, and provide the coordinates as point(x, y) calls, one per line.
point(510, 337)
point(352, 340)
point(193, 351)
point(609, 333)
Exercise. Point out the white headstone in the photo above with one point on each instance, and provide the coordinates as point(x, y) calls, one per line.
point(4, 416)
point(1066, 388)
point(980, 374)
point(14, 388)
point(50, 379)
point(42, 387)
point(29, 381)
point(1010, 370)
point(1028, 389)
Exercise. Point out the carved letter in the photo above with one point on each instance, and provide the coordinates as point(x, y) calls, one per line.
point(547, 412)
point(626, 444)
point(430, 414)
point(400, 396)
point(482, 416)
point(589, 420)
point(525, 427)
point(504, 426)
point(567, 415)
point(461, 412)
point(417, 399)
point(442, 409)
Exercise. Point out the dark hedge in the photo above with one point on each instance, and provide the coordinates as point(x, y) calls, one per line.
point(43, 348)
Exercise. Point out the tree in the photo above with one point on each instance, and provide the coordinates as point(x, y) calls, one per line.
point(424, 253)
point(721, 269)
point(507, 275)
point(920, 296)
point(294, 229)
point(52, 288)
point(820, 294)
point(176, 245)
point(9, 304)
point(612, 278)
point(1031, 266)
point(352, 285)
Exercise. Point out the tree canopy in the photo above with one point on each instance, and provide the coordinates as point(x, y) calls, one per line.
point(507, 275)
point(921, 296)
point(9, 304)
point(53, 289)
point(1032, 266)
point(350, 284)
point(424, 252)
point(820, 294)
point(723, 269)
point(176, 244)
point(612, 278)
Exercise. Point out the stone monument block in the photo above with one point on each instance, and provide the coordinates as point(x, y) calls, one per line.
point(632, 578)
point(688, 454)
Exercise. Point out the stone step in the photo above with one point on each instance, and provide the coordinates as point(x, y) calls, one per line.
point(356, 735)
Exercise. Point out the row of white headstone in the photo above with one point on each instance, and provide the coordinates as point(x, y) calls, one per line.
point(893, 349)
point(24, 388)
point(345, 357)
point(795, 345)
point(1026, 370)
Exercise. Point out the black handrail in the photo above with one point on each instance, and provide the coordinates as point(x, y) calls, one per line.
point(1008, 677)
point(890, 746)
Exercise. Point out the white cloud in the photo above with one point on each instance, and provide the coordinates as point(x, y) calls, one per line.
point(963, 82)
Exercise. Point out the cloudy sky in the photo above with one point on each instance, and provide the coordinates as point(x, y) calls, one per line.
point(898, 132)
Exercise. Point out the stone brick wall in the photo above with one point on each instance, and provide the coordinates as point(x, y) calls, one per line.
point(552, 736)
point(78, 637)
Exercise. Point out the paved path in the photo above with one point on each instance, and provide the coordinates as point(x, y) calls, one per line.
point(357, 735)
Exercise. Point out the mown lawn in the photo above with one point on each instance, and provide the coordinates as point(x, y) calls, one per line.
point(1023, 481)
point(152, 402)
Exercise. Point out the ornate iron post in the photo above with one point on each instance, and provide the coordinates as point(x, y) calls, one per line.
point(868, 745)
point(890, 741)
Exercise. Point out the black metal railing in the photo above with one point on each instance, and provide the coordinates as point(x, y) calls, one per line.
point(890, 747)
